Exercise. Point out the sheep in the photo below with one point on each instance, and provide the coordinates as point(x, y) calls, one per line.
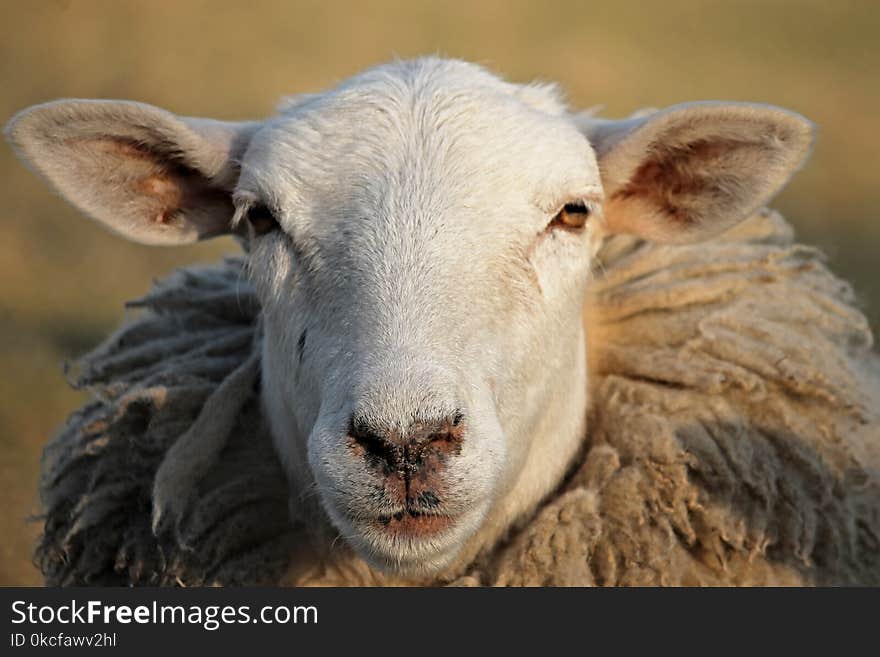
point(474, 335)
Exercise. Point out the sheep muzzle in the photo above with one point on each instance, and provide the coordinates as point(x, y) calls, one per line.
point(411, 466)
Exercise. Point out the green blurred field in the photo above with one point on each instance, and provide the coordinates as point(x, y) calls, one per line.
point(63, 280)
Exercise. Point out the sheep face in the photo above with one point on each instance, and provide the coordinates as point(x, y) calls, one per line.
point(421, 240)
point(422, 292)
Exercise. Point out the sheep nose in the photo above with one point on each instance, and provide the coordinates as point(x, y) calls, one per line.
point(415, 456)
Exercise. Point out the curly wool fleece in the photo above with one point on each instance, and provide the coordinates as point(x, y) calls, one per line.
point(734, 438)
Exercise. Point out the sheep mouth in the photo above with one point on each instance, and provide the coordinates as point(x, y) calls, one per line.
point(414, 524)
point(412, 542)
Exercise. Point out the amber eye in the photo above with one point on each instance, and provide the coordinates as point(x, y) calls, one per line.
point(572, 216)
point(261, 219)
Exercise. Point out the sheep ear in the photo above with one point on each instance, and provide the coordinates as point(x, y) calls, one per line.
point(143, 172)
point(688, 172)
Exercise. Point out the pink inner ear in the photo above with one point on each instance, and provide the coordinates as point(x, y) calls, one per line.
point(691, 190)
point(132, 177)
point(166, 191)
point(150, 183)
point(676, 180)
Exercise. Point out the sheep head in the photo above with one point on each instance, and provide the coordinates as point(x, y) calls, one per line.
point(421, 240)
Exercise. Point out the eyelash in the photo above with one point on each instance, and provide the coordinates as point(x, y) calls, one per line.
point(261, 219)
point(572, 216)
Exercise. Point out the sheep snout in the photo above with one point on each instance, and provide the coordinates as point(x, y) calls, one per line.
point(411, 466)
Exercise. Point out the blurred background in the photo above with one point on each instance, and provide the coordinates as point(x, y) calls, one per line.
point(63, 280)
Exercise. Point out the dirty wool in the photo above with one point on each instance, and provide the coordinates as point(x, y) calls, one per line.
point(734, 438)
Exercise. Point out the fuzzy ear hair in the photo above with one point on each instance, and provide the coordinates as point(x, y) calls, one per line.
point(143, 172)
point(688, 172)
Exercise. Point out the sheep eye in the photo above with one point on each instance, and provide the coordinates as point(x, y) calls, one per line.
point(572, 216)
point(261, 219)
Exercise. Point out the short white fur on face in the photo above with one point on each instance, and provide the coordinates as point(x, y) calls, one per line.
point(421, 240)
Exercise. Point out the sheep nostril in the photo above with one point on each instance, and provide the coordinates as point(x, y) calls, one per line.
point(447, 441)
point(406, 454)
point(375, 449)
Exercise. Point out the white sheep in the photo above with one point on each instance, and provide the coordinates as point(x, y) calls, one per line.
point(420, 240)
